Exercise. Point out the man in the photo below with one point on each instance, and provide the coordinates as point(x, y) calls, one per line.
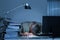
point(34, 29)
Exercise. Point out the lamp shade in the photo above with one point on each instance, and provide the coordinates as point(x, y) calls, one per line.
point(27, 6)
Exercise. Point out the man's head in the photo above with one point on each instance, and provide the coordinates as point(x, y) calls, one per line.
point(35, 28)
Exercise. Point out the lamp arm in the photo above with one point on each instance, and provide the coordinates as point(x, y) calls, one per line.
point(15, 8)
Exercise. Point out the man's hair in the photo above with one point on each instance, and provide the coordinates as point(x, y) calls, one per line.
point(36, 29)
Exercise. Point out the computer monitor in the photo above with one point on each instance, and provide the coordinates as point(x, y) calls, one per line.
point(51, 24)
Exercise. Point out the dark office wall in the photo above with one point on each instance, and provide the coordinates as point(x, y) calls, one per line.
point(38, 9)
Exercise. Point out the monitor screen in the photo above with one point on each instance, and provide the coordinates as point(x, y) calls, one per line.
point(51, 24)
